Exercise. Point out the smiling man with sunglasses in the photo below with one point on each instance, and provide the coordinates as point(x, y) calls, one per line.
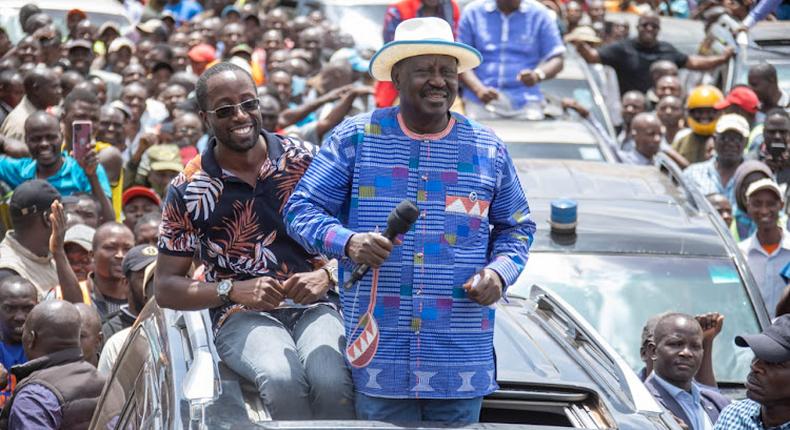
point(631, 58)
point(267, 295)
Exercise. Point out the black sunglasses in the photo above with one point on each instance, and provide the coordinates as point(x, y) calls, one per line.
point(250, 105)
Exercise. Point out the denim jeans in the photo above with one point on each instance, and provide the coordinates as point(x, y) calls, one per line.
point(457, 411)
point(295, 358)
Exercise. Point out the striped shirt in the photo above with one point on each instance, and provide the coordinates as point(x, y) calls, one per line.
point(434, 341)
point(744, 415)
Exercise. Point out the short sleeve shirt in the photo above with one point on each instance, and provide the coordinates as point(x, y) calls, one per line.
point(631, 61)
point(237, 229)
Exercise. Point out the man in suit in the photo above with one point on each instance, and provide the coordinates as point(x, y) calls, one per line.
point(676, 351)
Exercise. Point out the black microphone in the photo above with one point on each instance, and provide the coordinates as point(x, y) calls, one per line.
point(399, 221)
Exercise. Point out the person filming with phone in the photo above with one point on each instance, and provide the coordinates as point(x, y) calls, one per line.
point(776, 140)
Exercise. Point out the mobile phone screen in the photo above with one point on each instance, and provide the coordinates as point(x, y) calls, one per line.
point(80, 138)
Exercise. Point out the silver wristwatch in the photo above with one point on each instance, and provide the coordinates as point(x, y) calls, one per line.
point(223, 290)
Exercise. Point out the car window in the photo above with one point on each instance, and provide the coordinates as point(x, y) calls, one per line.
point(616, 294)
point(126, 377)
point(549, 150)
point(578, 89)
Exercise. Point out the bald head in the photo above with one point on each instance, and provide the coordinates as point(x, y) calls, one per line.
point(42, 87)
point(41, 120)
point(90, 332)
point(108, 231)
point(670, 323)
point(17, 286)
point(51, 326)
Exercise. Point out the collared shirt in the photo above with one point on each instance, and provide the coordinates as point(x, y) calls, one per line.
point(69, 179)
point(636, 158)
point(35, 407)
point(40, 271)
point(11, 354)
point(509, 44)
point(705, 176)
point(434, 341)
point(744, 415)
point(767, 269)
point(5, 109)
point(690, 402)
point(14, 125)
point(238, 229)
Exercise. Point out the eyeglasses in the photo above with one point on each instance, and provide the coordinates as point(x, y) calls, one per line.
point(250, 105)
point(649, 25)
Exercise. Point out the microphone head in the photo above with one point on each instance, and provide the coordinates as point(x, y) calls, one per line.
point(402, 217)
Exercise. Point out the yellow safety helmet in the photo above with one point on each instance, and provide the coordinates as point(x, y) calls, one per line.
point(703, 96)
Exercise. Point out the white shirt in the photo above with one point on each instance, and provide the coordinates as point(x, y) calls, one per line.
point(766, 268)
point(109, 354)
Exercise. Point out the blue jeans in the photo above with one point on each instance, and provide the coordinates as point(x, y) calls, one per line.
point(457, 411)
point(295, 358)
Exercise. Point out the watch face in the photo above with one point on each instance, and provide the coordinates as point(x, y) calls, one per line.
point(224, 287)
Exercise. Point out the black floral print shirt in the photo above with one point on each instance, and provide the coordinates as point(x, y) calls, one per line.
point(238, 230)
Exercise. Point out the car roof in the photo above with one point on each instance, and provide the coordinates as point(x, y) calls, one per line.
point(573, 132)
point(773, 32)
point(639, 206)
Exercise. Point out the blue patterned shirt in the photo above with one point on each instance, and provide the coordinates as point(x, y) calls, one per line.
point(744, 415)
point(434, 341)
point(705, 176)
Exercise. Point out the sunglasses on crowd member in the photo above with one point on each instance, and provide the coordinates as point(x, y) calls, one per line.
point(250, 105)
point(649, 25)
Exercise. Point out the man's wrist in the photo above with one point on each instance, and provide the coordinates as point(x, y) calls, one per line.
point(540, 74)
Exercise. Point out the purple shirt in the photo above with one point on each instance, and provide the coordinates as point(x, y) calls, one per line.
point(35, 407)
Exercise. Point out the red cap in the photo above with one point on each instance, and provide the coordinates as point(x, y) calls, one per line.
point(139, 191)
point(742, 97)
point(77, 12)
point(202, 53)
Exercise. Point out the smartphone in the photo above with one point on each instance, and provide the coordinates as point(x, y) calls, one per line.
point(776, 149)
point(81, 132)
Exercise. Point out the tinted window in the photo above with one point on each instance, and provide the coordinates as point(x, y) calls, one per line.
point(554, 151)
point(618, 293)
point(126, 378)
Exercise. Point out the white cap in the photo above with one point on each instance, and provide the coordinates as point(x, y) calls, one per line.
point(764, 184)
point(82, 235)
point(732, 121)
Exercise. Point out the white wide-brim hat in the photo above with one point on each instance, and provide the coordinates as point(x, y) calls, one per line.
point(422, 36)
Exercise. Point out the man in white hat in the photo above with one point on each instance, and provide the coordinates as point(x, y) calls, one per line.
point(717, 174)
point(426, 349)
point(767, 251)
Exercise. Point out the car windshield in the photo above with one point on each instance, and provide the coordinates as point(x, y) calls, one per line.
point(576, 89)
point(616, 294)
point(549, 150)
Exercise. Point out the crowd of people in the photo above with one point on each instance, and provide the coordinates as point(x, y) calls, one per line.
point(228, 156)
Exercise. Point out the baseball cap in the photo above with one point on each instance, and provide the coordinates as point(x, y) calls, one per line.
point(242, 47)
point(743, 97)
point(583, 33)
point(228, 10)
point(773, 344)
point(108, 25)
point(150, 26)
point(119, 43)
point(764, 184)
point(138, 191)
point(32, 197)
point(138, 258)
point(732, 121)
point(81, 235)
point(78, 43)
point(78, 12)
point(165, 157)
point(202, 53)
point(350, 55)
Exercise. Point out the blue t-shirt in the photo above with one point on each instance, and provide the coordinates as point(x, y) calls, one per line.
point(184, 10)
point(70, 179)
point(10, 355)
